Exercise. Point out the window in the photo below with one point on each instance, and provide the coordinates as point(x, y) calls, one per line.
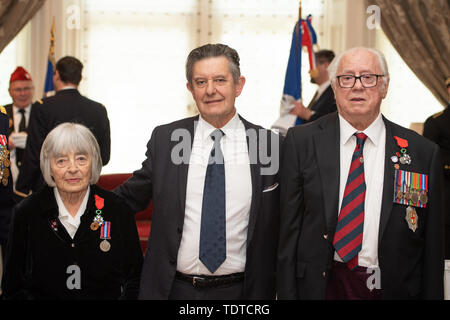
point(134, 54)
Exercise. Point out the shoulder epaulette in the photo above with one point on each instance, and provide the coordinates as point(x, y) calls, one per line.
point(438, 114)
point(39, 101)
point(2, 109)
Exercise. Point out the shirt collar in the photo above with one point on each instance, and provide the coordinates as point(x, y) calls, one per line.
point(229, 129)
point(64, 214)
point(321, 89)
point(16, 110)
point(373, 132)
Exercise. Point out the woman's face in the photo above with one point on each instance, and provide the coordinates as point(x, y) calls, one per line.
point(71, 171)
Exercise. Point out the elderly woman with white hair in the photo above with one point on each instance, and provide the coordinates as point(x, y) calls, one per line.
point(72, 239)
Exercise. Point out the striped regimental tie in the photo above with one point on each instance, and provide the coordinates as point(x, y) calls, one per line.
point(349, 230)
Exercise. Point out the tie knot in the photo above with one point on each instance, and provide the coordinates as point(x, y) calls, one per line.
point(360, 138)
point(22, 111)
point(216, 135)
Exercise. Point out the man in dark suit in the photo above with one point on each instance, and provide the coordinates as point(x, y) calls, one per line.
point(6, 193)
point(361, 203)
point(213, 179)
point(21, 90)
point(68, 105)
point(437, 129)
point(323, 101)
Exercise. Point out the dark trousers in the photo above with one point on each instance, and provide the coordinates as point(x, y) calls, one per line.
point(182, 290)
point(346, 284)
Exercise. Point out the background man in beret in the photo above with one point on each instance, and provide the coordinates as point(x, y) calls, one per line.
point(21, 90)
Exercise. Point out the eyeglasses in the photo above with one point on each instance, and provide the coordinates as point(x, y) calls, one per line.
point(367, 80)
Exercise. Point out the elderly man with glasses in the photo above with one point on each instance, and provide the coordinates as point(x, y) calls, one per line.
point(361, 203)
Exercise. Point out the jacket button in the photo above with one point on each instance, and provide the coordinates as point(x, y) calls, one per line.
point(325, 236)
point(324, 274)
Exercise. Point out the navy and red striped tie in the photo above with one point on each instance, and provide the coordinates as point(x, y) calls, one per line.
point(349, 230)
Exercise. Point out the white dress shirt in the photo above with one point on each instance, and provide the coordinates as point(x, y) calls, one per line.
point(17, 116)
point(238, 195)
point(374, 157)
point(70, 223)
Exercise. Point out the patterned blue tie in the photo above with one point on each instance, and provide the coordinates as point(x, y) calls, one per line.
point(212, 231)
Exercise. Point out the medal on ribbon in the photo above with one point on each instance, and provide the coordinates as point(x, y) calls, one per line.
point(4, 161)
point(105, 233)
point(403, 157)
point(98, 219)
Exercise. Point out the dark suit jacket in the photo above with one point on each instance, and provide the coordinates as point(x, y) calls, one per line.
point(66, 106)
point(9, 109)
point(38, 256)
point(324, 105)
point(165, 182)
point(411, 263)
point(6, 194)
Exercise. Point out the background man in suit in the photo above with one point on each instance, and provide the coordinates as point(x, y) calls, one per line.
point(361, 203)
point(437, 129)
point(6, 194)
point(215, 222)
point(21, 90)
point(68, 105)
point(323, 101)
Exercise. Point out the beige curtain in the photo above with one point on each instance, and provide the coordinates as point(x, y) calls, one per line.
point(420, 32)
point(14, 15)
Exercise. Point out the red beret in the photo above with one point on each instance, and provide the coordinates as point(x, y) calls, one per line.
point(20, 74)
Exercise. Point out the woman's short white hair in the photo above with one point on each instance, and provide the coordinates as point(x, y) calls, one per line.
point(333, 67)
point(70, 137)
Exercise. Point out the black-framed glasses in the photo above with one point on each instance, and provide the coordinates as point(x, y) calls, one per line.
point(368, 80)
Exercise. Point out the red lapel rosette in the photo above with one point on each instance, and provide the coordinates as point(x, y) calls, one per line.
point(402, 143)
point(99, 202)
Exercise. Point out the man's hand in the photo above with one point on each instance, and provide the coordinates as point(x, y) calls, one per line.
point(300, 111)
point(11, 144)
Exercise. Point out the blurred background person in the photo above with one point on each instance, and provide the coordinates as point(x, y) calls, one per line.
point(6, 194)
point(68, 105)
point(72, 239)
point(323, 101)
point(437, 129)
point(21, 90)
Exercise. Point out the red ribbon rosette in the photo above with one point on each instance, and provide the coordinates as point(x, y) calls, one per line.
point(402, 143)
point(99, 202)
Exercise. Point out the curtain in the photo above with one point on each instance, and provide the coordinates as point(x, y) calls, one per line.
point(419, 31)
point(14, 15)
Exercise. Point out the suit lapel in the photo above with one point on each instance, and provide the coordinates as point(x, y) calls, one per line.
point(255, 170)
point(184, 167)
point(388, 183)
point(326, 144)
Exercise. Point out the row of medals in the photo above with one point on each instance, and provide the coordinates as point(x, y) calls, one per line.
point(105, 246)
point(4, 165)
point(413, 195)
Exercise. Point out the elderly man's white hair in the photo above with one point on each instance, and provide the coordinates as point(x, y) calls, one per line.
point(333, 67)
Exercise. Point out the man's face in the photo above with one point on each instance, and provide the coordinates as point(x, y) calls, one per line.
point(22, 93)
point(214, 90)
point(322, 73)
point(359, 104)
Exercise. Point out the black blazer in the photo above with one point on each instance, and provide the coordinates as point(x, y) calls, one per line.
point(38, 255)
point(165, 182)
point(411, 263)
point(66, 106)
point(324, 105)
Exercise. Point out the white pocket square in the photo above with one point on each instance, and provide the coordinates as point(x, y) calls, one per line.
point(272, 187)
